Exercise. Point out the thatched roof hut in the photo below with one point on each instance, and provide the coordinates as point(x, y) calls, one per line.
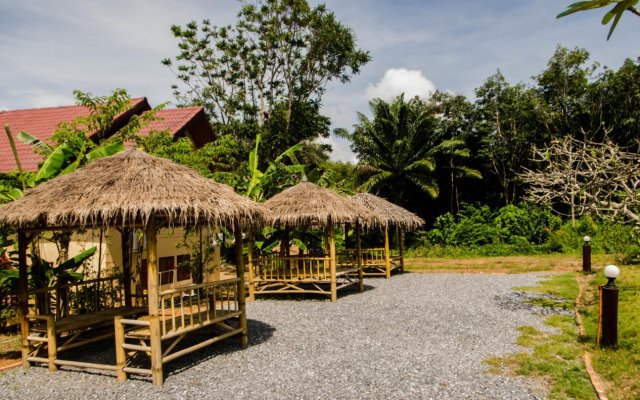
point(390, 213)
point(129, 188)
point(308, 204)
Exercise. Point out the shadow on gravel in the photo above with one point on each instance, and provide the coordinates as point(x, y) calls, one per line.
point(259, 332)
point(104, 352)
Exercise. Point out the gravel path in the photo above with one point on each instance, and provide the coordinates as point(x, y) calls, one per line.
point(415, 336)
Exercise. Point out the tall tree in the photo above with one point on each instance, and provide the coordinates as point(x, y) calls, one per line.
point(565, 87)
point(272, 66)
point(394, 148)
point(456, 147)
point(506, 120)
point(620, 94)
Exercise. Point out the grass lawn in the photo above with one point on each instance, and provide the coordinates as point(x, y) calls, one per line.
point(502, 265)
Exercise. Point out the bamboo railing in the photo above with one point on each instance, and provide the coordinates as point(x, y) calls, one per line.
point(80, 297)
point(296, 268)
point(195, 305)
point(303, 274)
point(182, 310)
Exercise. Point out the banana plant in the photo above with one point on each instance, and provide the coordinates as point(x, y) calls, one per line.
point(278, 174)
point(65, 159)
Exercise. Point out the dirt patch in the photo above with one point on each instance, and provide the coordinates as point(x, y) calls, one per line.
point(9, 351)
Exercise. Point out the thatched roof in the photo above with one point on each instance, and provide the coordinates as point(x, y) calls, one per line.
point(308, 204)
point(130, 188)
point(391, 214)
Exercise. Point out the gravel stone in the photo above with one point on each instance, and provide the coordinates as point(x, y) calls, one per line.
point(415, 336)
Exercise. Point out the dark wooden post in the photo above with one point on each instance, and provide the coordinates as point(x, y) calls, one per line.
point(359, 258)
point(586, 256)
point(125, 240)
point(154, 307)
point(23, 296)
point(609, 315)
point(237, 232)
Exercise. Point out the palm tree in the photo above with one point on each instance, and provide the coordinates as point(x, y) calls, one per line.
point(453, 152)
point(394, 148)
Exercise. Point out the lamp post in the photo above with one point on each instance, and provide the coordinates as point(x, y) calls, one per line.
point(608, 329)
point(586, 255)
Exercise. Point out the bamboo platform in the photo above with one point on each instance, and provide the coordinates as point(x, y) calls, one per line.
point(51, 336)
point(375, 263)
point(302, 274)
point(182, 311)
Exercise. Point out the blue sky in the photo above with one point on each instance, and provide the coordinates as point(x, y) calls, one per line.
point(47, 51)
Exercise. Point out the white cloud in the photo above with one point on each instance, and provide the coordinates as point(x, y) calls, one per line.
point(341, 150)
point(400, 80)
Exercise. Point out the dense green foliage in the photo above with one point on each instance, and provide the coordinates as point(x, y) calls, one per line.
point(475, 151)
point(266, 73)
point(524, 228)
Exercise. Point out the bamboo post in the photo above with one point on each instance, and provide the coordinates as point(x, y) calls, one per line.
point(52, 343)
point(121, 355)
point(359, 258)
point(155, 338)
point(252, 288)
point(332, 263)
point(401, 249)
point(387, 260)
point(23, 296)
point(237, 232)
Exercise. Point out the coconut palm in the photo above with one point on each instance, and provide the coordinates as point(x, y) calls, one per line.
point(394, 147)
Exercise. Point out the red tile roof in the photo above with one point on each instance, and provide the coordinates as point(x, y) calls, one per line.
point(40, 122)
point(173, 120)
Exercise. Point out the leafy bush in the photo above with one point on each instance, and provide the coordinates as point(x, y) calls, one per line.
point(476, 225)
point(526, 221)
point(621, 241)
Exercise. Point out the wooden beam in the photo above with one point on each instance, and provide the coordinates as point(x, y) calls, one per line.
point(359, 258)
point(237, 232)
point(387, 259)
point(332, 263)
point(23, 295)
point(155, 338)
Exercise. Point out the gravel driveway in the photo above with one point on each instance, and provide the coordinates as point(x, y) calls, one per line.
point(415, 336)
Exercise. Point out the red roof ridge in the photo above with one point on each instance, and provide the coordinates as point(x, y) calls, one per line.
point(134, 101)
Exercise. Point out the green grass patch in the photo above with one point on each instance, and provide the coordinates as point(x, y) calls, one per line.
point(556, 356)
point(620, 367)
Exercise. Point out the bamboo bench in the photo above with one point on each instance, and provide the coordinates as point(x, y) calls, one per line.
point(56, 336)
point(182, 311)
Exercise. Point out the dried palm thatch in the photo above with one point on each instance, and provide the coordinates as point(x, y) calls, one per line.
point(391, 214)
point(308, 204)
point(130, 188)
